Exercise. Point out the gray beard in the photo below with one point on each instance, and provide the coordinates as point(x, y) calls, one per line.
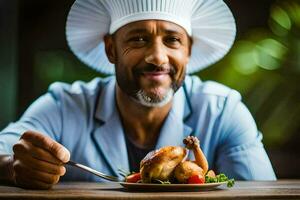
point(145, 100)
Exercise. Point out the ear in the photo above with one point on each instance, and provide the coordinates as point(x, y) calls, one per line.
point(110, 48)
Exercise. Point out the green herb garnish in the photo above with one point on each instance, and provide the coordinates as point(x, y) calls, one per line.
point(219, 178)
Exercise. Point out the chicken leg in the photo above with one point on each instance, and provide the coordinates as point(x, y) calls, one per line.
point(186, 169)
point(193, 143)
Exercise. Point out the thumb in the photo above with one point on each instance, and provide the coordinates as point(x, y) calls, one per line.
point(61, 152)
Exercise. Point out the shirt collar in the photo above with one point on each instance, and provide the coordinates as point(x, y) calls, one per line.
point(106, 104)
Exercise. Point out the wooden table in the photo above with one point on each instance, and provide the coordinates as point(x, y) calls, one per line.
point(283, 189)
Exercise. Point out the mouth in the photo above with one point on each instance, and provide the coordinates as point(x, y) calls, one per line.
point(156, 75)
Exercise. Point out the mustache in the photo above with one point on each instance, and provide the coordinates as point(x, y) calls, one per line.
point(154, 68)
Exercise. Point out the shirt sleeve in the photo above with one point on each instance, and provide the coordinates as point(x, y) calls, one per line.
point(42, 116)
point(241, 154)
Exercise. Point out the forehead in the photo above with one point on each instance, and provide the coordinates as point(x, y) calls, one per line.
point(152, 26)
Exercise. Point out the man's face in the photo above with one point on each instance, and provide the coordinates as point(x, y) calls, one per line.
point(150, 60)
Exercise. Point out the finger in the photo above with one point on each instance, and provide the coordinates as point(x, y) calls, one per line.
point(41, 166)
point(48, 144)
point(23, 148)
point(21, 170)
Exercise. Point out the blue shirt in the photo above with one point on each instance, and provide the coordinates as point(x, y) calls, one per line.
point(83, 117)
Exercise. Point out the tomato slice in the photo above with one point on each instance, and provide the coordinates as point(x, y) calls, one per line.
point(133, 178)
point(196, 179)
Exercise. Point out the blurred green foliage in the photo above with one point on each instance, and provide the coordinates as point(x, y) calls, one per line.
point(264, 65)
point(59, 65)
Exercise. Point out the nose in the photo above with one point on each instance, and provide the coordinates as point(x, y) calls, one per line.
point(157, 54)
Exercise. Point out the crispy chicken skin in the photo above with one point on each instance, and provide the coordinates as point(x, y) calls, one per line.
point(160, 164)
point(186, 169)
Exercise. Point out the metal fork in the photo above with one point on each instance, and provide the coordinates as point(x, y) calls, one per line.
point(93, 171)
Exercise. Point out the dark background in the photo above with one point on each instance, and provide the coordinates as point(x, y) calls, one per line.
point(263, 65)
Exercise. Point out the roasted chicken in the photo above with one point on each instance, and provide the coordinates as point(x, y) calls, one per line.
point(169, 163)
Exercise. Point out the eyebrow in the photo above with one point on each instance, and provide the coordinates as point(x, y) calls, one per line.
point(172, 31)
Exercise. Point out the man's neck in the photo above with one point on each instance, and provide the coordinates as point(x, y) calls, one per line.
point(141, 124)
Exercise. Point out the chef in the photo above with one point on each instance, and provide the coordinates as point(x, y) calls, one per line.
point(149, 49)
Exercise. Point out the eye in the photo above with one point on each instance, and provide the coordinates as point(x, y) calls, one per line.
point(172, 40)
point(138, 41)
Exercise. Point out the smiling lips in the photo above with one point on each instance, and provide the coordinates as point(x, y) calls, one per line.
point(156, 75)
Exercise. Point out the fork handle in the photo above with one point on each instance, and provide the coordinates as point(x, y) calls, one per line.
point(93, 171)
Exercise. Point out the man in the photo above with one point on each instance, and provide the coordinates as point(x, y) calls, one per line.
point(112, 123)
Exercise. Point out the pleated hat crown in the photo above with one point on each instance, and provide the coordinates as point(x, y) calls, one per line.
point(126, 11)
point(209, 22)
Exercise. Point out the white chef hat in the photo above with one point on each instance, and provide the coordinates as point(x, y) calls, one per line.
point(209, 22)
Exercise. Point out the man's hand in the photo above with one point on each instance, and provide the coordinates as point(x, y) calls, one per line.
point(38, 161)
